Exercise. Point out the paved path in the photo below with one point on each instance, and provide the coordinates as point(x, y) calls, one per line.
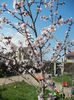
point(27, 78)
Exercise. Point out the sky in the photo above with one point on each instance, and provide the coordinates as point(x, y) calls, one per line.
point(66, 11)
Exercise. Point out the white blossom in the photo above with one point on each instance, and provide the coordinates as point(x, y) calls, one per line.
point(49, 29)
point(14, 4)
point(61, 21)
point(72, 41)
point(40, 97)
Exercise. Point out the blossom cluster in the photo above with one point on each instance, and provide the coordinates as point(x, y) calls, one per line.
point(17, 4)
point(8, 44)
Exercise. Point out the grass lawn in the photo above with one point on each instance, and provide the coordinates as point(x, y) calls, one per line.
point(66, 78)
point(19, 91)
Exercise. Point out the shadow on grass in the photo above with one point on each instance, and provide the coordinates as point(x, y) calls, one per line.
point(1, 90)
point(1, 98)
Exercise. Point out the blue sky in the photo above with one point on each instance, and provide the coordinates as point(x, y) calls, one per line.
point(66, 11)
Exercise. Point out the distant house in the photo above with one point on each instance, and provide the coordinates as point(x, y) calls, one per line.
point(70, 57)
point(69, 65)
point(22, 54)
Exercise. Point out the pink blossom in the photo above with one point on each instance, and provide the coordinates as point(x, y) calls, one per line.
point(41, 38)
point(61, 21)
point(9, 11)
point(18, 0)
point(0, 26)
point(30, 52)
point(72, 41)
point(4, 5)
point(51, 28)
point(36, 65)
point(9, 37)
point(55, 53)
point(44, 18)
point(21, 3)
point(37, 39)
point(26, 22)
point(1, 52)
point(45, 1)
point(48, 45)
point(39, 9)
point(26, 38)
point(18, 23)
point(2, 37)
point(70, 18)
point(47, 51)
point(34, 71)
point(66, 21)
point(62, 3)
point(58, 45)
point(0, 40)
point(12, 47)
point(6, 43)
point(44, 32)
point(12, 13)
point(24, 72)
point(51, 37)
point(38, 44)
point(23, 26)
point(46, 5)
point(31, 2)
point(41, 64)
point(25, 13)
point(48, 37)
point(66, 32)
point(2, 19)
point(6, 22)
point(51, 5)
point(56, 13)
point(0, 12)
point(40, 97)
point(20, 42)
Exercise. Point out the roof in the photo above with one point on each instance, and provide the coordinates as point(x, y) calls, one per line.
point(70, 54)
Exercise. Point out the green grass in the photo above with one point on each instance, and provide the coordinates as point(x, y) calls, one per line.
point(66, 78)
point(20, 91)
point(23, 91)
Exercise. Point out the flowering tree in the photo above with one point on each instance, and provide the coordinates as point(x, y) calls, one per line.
point(39, 43)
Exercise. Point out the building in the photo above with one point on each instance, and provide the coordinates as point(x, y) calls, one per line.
point(69, 65)
point(70, 57)
point(22, 54)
